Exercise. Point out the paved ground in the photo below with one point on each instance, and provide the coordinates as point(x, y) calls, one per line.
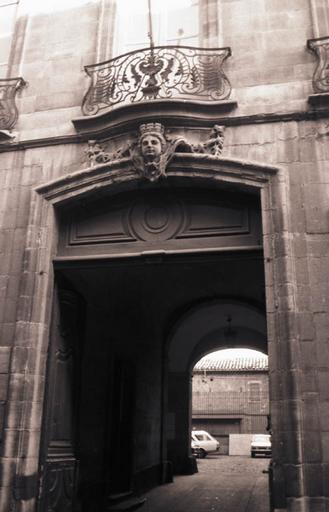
point(223, 484)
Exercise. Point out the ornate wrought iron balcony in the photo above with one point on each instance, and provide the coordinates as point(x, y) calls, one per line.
point(8, 109)
point(321, 75)
point(155, 73)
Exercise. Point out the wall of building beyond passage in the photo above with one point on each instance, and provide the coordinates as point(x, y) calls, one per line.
point(230, 402)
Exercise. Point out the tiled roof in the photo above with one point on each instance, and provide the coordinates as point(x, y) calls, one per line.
point(232, 365)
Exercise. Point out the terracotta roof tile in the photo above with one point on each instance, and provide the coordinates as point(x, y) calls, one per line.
point(237, 364)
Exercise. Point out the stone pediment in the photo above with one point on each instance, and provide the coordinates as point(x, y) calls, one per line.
point(92, 180)
point(153, 153)
point(159, 190)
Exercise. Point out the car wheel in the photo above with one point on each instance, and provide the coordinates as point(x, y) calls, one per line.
point(202, 454)
point(253, 455)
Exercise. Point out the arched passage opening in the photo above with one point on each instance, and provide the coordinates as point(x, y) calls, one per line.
point(165, 256)
point(230, 400)
point(186, 247)
point(208, 326)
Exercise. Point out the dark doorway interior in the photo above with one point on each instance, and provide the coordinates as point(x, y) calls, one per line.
point(130, 308)
point(119, 438)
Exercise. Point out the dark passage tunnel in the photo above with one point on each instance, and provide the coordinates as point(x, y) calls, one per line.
point(132, 407)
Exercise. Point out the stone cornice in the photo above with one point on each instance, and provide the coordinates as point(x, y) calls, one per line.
point(172, 112)
point(93, 180)
point(263, 118)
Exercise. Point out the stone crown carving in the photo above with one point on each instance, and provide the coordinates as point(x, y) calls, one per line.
point(152, 150)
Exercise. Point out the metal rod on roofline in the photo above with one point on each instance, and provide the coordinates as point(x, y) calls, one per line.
point(150, 33)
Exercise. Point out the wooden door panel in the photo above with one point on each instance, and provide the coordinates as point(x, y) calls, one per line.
point(159, 219)
point(59, 485)
point(59, 463)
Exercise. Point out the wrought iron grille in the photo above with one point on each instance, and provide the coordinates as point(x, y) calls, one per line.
point(8, 109)
point(321, 75)
point(162, 72)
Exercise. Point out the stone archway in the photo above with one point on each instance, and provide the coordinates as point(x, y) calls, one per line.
point(98, 181)
point(201, 329)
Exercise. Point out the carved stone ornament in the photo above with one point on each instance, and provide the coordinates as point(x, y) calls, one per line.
point(214, 145)
point(8, 109)
point(96, 153)
point(153, 150)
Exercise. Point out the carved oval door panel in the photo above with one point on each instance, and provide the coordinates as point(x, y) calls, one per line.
point(161, 219)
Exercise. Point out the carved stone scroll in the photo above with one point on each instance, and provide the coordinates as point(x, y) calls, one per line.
point(214, 145)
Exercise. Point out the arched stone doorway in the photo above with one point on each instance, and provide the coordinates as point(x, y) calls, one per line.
point(228, 179)
point(138, 258)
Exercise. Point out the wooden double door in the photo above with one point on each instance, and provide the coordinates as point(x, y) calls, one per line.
point(86, 448)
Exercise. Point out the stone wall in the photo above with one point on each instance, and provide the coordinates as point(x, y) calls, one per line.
point(301, 151)
point(270, 69)
point(271, 73)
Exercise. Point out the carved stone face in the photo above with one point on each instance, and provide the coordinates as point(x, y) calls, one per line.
point(151, 146)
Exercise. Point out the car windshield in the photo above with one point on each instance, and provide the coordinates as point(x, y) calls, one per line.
point(261, 439)
point(202, 437)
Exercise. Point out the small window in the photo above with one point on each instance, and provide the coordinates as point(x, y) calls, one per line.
point(254, 391)
point(174, 22)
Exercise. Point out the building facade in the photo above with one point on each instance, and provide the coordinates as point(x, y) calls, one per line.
point(162, 196)
point(230, 396)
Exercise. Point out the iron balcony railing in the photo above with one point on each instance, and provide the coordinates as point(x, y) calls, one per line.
point(320, 47)
point(157, 73)
point(8, 109)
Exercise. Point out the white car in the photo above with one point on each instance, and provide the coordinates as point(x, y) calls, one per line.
point(203, 443)
point(261, 445)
